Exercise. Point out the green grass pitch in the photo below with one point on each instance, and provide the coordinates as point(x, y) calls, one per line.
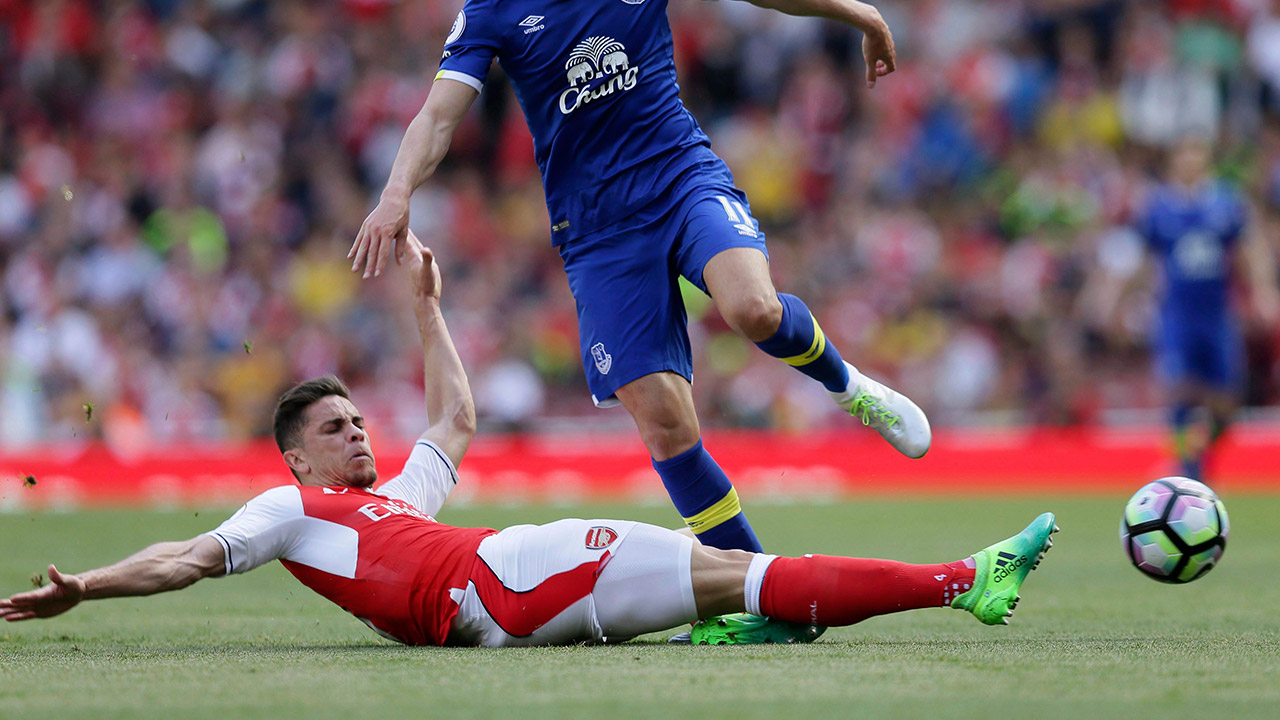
point(1092, 638)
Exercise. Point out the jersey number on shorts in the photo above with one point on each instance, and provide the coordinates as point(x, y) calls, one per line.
point(741, 219)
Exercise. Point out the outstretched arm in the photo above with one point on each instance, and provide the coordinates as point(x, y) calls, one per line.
point(424, 146)
point(877, 41)
point(1257, 257)
point(159, 568)
point(450, 407)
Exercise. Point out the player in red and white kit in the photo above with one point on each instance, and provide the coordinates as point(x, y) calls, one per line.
point(381, 556)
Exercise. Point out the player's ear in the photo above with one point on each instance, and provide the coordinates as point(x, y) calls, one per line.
point(297, 461)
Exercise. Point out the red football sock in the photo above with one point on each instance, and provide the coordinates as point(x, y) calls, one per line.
point(827, 590)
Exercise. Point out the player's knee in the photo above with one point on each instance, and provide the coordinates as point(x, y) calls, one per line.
point(756, 316)
point(662, 406)
point(667, 437)
point(668, 431)
point(719, 579)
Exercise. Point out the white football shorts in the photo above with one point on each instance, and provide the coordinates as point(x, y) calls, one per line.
point(575, 581)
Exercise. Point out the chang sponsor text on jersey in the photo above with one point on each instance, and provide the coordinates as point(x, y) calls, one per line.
point(597, 67)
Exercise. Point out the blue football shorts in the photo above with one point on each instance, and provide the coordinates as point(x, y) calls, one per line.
point(625, 278)
point(1199, 351)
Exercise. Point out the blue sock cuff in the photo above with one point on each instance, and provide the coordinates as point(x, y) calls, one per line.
point(696, 483)
point(797, 343)
point(676, 461)
point(795, 330)
point(734, 534)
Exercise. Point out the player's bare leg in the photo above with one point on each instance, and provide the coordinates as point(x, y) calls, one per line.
point(719, 580)
point(1221, 406)
point(662, 406)
point(782, 326)
point(1187, 440)
point(742, 288)
point(1199, 417)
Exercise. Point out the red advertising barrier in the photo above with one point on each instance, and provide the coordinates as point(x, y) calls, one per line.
point(567, 468)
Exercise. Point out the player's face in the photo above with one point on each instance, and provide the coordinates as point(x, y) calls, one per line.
point(335, 446)
point(1190, 162)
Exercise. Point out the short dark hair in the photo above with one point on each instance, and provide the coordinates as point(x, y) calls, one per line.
point(291, 409)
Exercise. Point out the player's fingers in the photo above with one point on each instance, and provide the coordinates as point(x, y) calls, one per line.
point(352, 252)
point(24, 599)
point(19, 616)
point(387, 249)
point(871, 73)
point(362, 239)
point(362, 250)
point(18, 605)
point(371, 254)
point(399, 244)
point(882, 68)
point(55, 575)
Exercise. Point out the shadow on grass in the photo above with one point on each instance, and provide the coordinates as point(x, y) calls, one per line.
point(265, 647)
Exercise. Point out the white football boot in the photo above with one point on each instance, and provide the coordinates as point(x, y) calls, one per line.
point(889, 413)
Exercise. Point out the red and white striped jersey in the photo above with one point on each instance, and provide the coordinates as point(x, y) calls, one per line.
point(378, 554)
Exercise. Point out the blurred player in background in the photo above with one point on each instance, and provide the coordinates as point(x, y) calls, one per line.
point(1197, 229)
point(381, 556)
point(637, 199)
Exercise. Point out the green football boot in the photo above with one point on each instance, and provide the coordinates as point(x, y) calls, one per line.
point(744, 629)
point(1002, 568)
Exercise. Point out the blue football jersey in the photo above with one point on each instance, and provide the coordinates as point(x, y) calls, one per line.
point(597, 82)
point(1193, 233)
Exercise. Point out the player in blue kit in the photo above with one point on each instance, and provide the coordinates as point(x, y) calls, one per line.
point(637, 199)
point(1196, 229)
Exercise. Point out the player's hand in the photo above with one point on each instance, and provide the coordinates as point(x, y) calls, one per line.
point(61, 594)
point(877, 47)
point(1268, 308)
point(422, 268)
point(382, 234)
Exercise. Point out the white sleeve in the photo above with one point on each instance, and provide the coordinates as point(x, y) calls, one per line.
point(426, 481)
point(264, 529)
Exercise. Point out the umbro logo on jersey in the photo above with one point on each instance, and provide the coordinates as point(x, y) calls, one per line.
point(532, 24)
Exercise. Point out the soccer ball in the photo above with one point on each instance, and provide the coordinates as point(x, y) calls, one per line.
point(1174, 529)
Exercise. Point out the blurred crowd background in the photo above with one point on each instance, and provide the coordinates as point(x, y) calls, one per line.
point(180, 182)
